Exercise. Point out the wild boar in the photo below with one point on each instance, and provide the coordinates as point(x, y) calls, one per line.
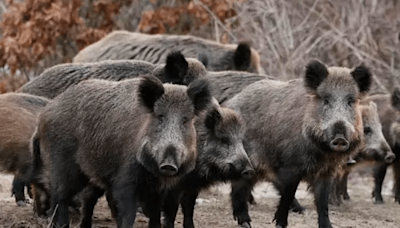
point(132, 139)
point(388, 109)
point(226, 84)
point(221, 158)
point(57, 79)
point(120, 45)
point(19, 114)
point(375, 149)
point(300, 130)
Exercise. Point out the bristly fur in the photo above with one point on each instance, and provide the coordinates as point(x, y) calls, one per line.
point(55, 80)
point(119, 45)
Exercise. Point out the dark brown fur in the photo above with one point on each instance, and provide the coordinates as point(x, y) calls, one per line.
point(113, 137)
point(19, 115)
point(57, 79)
point(215, 56)
point(226, 84)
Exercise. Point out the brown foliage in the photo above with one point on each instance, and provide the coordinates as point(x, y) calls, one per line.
point(185, 17)
point(30, 30)
point(9, 83)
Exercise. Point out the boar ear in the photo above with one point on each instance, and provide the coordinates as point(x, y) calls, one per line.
point(203, 58)
point(242, 57)
point(149, 91)
point(396, 98)
point(213, 118)
point(316, 72)
point(363, 77)
point(176, 68)
point(199, 92)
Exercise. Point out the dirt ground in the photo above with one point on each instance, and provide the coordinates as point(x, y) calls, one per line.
point(213, 208)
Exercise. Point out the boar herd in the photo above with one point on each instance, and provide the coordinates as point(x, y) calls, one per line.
point(150, 121)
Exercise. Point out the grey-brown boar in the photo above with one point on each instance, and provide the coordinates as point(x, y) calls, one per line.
point(57, 79)
point(301, 130)
point(133, 139)
point(221, 158)
point(153, 48)
point(19, 115)
point(226, 84)
point(375, 148)
point(389, 115)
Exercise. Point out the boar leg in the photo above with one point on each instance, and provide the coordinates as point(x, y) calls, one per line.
point(61, 210)
point(343, 187)
point(66, 186)
point(321, 194)
point(396, 170)
point(18, 187)
point(240, 194)
point(152, 206)
point(112, 204)
point(295, 206)
point(126, 200)
point(29, 188)
point(334, 195)
point(188, 201)
point(287, 184)
point(170, 207)
point(92, 194)
point(252, 200)
point(379, 176)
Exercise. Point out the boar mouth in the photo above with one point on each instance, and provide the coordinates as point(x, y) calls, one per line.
point(373, 154)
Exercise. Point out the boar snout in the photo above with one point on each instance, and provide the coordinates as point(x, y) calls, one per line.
point(390, 157)
point(339, 143)
point(168, 169)
point(248, 173)
point(169, 165)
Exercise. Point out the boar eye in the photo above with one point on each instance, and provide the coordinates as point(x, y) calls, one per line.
point(367, 130)
point(351, 101)
point(160, 118)
point(225, 141)
point(326, 100)
point(185, 120)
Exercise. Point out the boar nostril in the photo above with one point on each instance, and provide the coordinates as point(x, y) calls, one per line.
point(168, 169)
point(389, 158)
point(248, 173)
point(339, 144)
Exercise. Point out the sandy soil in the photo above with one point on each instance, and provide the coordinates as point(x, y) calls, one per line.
point(213, 208)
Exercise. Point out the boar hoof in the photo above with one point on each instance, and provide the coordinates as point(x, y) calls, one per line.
point(346, 197)
point(378, 201)
point(298, 209)
point(21, 203)
point(245, 225)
